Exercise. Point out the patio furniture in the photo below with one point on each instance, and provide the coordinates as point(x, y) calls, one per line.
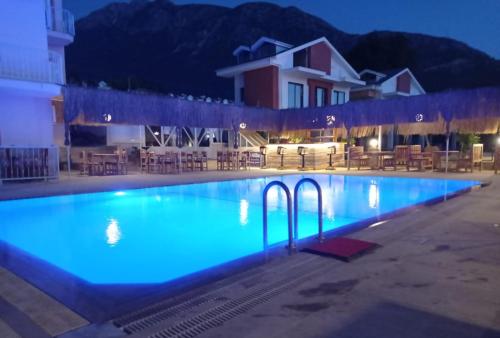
point(281, 151)
point(123, 162)
point(357, 155)
point(471, 159)
point(221, 160)
point(381, 159)
point(84, 164)
point(104, 164)
point(200, 160)
point(242, 161)
point(333, 157)
point(95, 164)
point(302, 152)
point(144, 161)
point(263, 153)
point(418, 159)
point(253, 158)
point(401, 155)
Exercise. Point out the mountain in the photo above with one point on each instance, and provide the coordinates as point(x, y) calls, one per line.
point(164, 47)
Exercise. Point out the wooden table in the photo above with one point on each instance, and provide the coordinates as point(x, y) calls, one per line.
point(377, 158)
point(438, 155)
point(108, 167)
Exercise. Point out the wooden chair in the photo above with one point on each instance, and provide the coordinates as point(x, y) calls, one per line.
point(123, 162)
point(144, 161)
point(357, 155)
point(96, 167)
point(418, 159)
point(204, 160)
point(471, 159)
point(243, 161)
point(220, 160)
point(84, 165)
point(200, 160)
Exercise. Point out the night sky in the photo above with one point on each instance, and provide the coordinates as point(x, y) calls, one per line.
point(475, 22)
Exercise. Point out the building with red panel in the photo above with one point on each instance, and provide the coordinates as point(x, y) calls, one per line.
point(386, 84)
point(274, 74)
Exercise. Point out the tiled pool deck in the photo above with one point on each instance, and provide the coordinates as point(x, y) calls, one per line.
point(435, 276)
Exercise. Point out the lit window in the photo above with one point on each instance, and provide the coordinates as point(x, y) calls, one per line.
point(295, 95)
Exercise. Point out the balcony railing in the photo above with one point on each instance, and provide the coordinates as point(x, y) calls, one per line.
point(23, 163)
point(60, 20)
point(30, 64)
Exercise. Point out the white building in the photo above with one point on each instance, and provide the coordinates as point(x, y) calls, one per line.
point(274, 74)
point(387, 84)
point(33, 34)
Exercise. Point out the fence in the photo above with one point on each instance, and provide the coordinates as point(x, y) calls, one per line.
point(24, 163)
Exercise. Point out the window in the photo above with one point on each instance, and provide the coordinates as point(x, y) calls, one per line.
point(320, 97)
point(338, 97)
point(242, 95)
point(295, 95)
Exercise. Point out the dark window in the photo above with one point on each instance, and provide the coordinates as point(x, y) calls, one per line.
point(242, 94)
point(338, 97)
point(295, 95)
point(368, 77)
point(320, 97)
point(300, 58)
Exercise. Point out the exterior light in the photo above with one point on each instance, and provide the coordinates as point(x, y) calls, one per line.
point(156, 133)
point(419, 117)
point(107, 117)
point(330, 120)
point(373, 143)
point(498, 140)
point(243, 125)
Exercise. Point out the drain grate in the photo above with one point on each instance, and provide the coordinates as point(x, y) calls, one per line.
point(159, 316)
point(217, 316)
point(143, 322)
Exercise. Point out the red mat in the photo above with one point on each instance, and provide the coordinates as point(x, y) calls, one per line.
point(342, 248)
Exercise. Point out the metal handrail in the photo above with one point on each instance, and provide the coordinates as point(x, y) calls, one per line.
point(291, 243)
point(296, 207)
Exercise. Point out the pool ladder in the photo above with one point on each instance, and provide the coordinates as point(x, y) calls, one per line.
point(293, 230)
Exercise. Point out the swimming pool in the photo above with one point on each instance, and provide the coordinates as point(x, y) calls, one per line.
point(156, 235)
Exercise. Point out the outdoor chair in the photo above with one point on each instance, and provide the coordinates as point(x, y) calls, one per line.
point(84, 165)
point(418, 159)
point(220, 160)
point(169, 163)
point(243, 161)
point(357, 156)
point(96, 167)
point(471, 159)
point(204, 160)
point(123, 162)
point(154, 163)
point(144, 161)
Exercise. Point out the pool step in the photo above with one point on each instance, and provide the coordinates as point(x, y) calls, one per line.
point(191, 318)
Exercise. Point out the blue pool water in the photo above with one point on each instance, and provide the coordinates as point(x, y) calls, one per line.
point(158, 234)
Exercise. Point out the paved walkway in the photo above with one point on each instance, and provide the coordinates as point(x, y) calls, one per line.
point(435, 276)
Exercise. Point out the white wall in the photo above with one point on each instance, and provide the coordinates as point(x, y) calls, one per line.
point(284, 79)
point(22, 23)
point(239, 81)
point(26, 121)
point(125, 135)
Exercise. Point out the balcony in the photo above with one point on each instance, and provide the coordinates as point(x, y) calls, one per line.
point(60, 25)
point(30, 64)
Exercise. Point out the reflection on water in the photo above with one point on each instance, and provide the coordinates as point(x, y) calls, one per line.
point(243, 212)
point(113, 232)
point(373, 195)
